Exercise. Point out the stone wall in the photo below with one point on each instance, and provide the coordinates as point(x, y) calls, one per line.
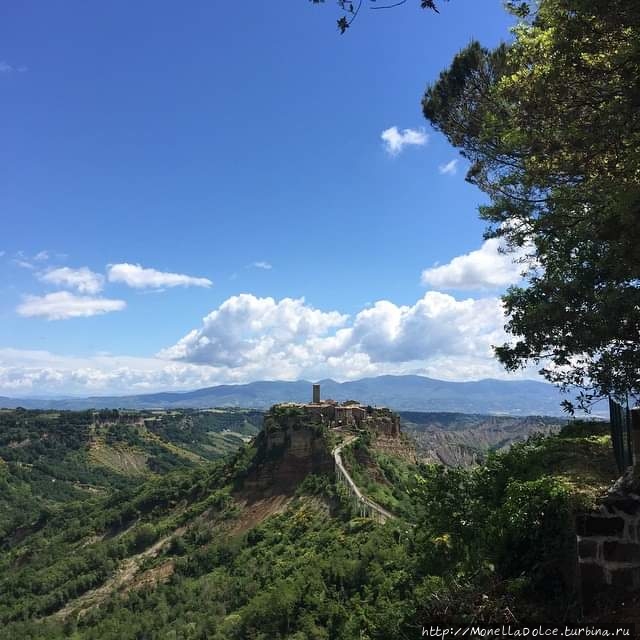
point(383, 422)
point(609, 542)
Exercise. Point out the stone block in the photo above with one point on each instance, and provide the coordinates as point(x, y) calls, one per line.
point(621, 552)
point(591, 575)
point(592, 584)
point(587, 548)
point(596, 525)
point(625, 579)
point(625, 504)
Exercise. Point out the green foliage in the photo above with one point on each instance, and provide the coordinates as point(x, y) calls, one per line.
point(50, 459)
point(535, 522)
point(317, 485)
point(387, 480)
point(585, 428)
point(550, 125)
point(482, 543)
point(506, 528)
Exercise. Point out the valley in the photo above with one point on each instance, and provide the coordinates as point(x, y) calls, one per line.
point(456, 439)
point(49, 459)
point(165, 537)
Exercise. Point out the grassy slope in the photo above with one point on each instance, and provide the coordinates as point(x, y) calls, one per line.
point(179, 554)
point(49, 459)
point(580, 456)
point(386, 479)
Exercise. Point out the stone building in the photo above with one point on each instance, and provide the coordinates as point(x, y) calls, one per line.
point(351, 414)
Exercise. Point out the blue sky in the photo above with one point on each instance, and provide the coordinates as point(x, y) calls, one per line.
point(165, 164)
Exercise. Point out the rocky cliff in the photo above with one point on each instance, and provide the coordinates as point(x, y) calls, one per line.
point(289, 447)
point(456, 439)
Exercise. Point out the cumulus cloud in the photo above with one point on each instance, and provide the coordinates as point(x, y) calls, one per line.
point(247, 329)
point(484, 268)
point(395, 140)
point(29, 372)
point(250, 338)
point(435, 325)
point(450, 168)
point(254, 338)
point(139, 277)
point(62, 305)
point(83, 280)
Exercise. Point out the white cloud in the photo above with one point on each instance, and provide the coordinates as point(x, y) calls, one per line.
point(257, 338)
point(29, 372)
point(246, 329)
point(26, 261)
point(62, 305)
point(23, 264)
point(395, 140)
point(262, 265)
point(484, 268)
point(450, 168)
point(83, 280)
point(250, 338)
point(436, 325)
point(41, 256)
point(134, 275)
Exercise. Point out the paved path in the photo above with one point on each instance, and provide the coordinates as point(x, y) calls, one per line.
point(367, 506)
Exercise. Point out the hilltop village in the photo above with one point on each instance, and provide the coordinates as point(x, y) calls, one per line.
point(347, 415)
point(301, 438)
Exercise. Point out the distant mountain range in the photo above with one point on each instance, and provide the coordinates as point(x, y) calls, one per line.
point(401, 393)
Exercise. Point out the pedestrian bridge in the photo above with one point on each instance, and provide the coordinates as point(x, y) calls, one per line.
point(366, 507)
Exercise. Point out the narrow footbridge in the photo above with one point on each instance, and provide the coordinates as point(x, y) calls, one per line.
point(367, 508)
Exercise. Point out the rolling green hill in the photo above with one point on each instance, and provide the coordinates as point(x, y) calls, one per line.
point(48, 459)
point(216, 551)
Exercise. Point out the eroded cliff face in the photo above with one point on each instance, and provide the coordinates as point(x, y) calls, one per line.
point(289, 448)
point(465, 440)
point(399, 446)
point(295, 441)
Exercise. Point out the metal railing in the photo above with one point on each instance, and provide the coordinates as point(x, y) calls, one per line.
point(366, 507)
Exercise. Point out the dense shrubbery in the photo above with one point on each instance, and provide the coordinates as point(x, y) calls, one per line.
point(389, 481)
point(480, 545)
point(50, 459)
point(501, 525)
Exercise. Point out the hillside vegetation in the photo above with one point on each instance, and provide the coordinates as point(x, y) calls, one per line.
point(48, 459)
point(196, 553)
